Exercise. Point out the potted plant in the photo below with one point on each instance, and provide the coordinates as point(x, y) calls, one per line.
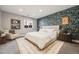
point(1, 32)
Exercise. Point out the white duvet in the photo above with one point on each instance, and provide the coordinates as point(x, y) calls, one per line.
point(41, 39)
point(26, 47)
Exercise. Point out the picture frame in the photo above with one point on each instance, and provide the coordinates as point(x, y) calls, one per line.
point(15, 24)
point(26, 26)
point(65, 20)
point(30, 24)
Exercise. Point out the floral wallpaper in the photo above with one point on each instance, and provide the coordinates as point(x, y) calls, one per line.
point(55, 19)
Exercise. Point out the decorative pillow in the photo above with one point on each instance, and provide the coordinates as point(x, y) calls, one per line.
point(12, 31)
point(50, 30)
point(47, 30)
point(43, 30)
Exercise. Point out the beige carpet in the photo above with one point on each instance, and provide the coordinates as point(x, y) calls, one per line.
point(69, 48)
point(9, 48)
point(27, 48)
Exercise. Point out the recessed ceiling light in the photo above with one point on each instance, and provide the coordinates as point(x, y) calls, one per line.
point(21, 10)
point(41, 10)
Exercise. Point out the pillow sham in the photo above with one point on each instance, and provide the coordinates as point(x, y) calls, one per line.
point(47, 30)
point(43, 30)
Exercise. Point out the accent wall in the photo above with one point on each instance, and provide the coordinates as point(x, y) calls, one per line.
point(55, 19)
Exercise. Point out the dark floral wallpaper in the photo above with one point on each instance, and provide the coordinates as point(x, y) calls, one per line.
point(55, 19)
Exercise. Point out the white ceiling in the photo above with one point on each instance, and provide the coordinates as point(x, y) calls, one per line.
point(34, 10)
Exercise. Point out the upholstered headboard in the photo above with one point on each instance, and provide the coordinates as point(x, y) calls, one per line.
point(55, 27)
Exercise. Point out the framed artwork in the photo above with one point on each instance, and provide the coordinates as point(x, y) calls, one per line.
point(25, 26)
point(65, 20)
point(15, 24)
point(28, 24)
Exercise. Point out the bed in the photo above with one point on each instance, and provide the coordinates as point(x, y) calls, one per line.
point(44, 41)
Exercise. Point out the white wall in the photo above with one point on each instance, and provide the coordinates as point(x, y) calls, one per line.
point(6, 22)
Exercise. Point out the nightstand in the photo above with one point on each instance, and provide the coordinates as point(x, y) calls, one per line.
point(2, 39)
point(65, 37)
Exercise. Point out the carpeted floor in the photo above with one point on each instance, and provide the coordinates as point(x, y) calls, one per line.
point(69, 48)
point(11, 48)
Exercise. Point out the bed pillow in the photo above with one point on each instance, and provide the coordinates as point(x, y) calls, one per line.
point(50, 30)
point(47, 30)
point(43, 30)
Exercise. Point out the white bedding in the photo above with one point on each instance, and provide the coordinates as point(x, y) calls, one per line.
point(41, 39)
point(26, 47)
